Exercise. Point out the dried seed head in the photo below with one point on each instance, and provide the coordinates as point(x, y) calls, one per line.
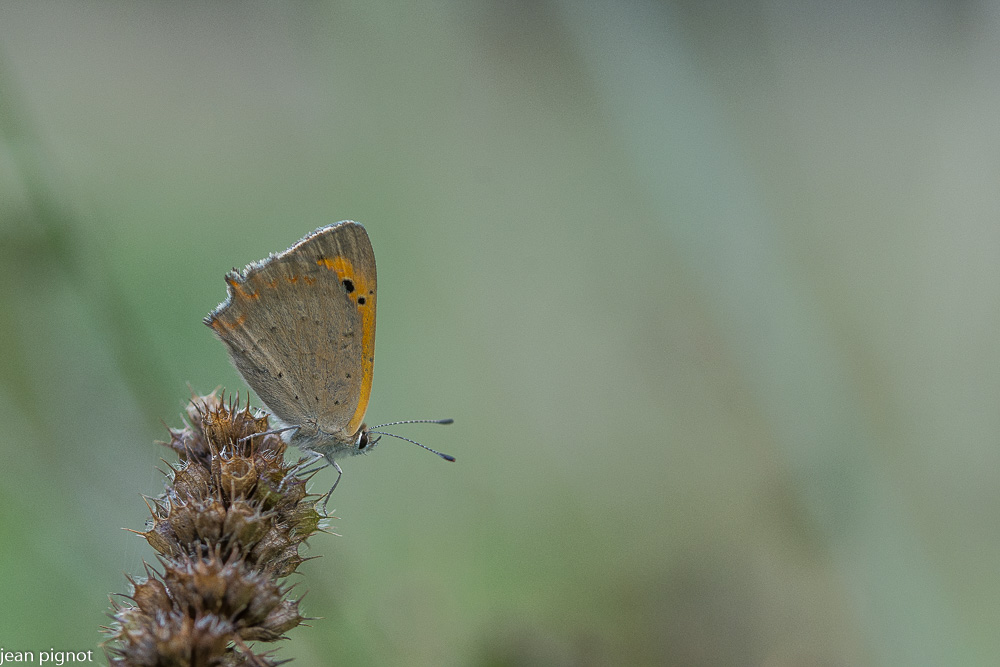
point(227, 528)
point(192, 482)
point(238, 476)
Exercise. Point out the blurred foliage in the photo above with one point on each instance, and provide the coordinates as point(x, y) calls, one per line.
point(709, 288)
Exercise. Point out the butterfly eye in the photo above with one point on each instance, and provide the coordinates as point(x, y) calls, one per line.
point(363, 442)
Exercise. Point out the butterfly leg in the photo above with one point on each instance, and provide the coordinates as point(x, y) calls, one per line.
point(326, 498)
point(306, 473)
point(271, 432)
point(299, 470)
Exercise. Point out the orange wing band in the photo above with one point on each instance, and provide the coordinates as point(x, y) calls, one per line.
point(364, 299)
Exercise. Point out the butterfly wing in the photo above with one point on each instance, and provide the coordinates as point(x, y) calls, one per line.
point(300, 328)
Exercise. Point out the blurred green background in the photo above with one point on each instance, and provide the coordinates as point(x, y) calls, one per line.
point(711, 290)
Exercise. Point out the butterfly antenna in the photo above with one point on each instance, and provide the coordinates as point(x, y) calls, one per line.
point(417, 421)
point(446, 457)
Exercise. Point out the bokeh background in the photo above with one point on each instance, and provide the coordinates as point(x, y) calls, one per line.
point(710, 288)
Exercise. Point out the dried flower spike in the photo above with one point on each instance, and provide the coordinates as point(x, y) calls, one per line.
point(226, 530)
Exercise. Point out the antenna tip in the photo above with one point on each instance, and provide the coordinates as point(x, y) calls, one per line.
point(446, 421)
point(447, 457)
